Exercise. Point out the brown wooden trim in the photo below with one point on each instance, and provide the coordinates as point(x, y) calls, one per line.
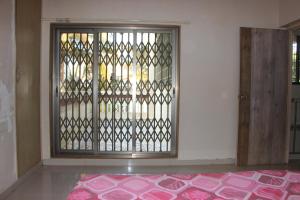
point(244, 103)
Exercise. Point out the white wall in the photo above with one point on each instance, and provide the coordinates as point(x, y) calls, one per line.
point(8, 173)
point(288, 11)
point(209, 61)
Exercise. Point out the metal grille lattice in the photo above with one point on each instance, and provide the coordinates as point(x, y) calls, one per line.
point(115, 91)
point(75, 102)
point(122, 81)
point(154, 85)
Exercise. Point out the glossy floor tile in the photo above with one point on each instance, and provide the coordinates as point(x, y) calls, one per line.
point(55, 182)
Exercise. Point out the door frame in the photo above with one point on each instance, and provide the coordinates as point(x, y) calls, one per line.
point(52, 89)
point(292, 27)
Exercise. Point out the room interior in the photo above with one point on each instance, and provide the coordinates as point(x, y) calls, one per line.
point(182, 90)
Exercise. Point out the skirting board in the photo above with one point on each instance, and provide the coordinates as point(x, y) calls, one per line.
point(19, 181)
point(134, 162)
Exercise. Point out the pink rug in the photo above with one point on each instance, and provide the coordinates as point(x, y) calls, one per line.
point(250, 185)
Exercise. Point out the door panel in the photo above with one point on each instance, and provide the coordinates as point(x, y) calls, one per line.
point(27, 85)
point(75, 91)
point(263, 97)
point(154, 91)
point(115, 91)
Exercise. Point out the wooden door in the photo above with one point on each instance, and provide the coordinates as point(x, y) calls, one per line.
point(262, 133)
point(28, 28)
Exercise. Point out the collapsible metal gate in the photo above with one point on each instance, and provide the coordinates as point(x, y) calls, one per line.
point(115, 91)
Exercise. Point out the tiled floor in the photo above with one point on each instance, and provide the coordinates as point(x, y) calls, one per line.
point(54, 183)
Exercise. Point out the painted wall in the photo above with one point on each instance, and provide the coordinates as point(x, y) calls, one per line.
point(209, 61)
point(8, 172)
point(288, 11)
point(28, 31)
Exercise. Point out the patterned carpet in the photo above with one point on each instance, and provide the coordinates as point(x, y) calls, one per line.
point(249, 185)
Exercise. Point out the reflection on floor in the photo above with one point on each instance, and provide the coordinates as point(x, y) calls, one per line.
point(54, 183)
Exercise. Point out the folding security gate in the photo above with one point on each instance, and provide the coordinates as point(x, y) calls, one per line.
point(115, 91)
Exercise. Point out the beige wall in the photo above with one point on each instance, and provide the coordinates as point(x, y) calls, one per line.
point(28, 29)
point(288, 11)
point(209, 61)
point(8, 172)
